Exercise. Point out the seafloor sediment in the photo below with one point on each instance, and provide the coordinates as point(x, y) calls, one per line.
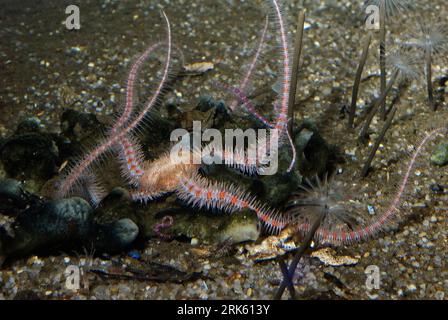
point(47, 69)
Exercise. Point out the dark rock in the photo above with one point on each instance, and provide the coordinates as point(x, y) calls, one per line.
point(116, 236)
point(30, 155)
point(56, 223)
point(314, 155)
point(277, 188)
point(28, 125)
point(79, 126)
point(14, 199)
point(221, 114)
point(65, 224)
point(51, 225)
point(27, 295)
point(78, 129)
point(67, 218)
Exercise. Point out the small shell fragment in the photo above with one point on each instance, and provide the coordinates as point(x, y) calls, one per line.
point(63, 165)
point(201, 252)
point(198, 68)
point(329, 258)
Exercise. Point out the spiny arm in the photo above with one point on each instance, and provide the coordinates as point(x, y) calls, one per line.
point(82, 166)
point(197, 191)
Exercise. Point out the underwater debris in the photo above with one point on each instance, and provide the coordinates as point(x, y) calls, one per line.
point(221, 250)
point(272, 247)
point(148, 271)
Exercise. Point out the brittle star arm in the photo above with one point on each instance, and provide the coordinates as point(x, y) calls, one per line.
point(131, 158)
point(245, 81)
point(130, 87)
point(282, 117)
point(199, 192)
point(84, 164)
point(377, 225)
point(245, 101)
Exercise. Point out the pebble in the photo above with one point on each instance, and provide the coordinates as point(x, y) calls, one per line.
point(440, 295)
point(440, 156)
point(411, 288)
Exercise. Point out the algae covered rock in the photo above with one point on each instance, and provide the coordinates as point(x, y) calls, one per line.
point(240, 227)
point(314, 157)
point(78, 126)
point(440, 156)
point(65, 218)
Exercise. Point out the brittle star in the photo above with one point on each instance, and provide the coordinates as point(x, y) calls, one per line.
point(154, 179)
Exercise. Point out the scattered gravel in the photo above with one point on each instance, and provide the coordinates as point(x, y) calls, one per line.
point(47, 68)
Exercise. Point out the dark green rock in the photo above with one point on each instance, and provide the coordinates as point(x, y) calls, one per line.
point(314, 155)
point(14, 199)
point(116, 236)
point(440, 156)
